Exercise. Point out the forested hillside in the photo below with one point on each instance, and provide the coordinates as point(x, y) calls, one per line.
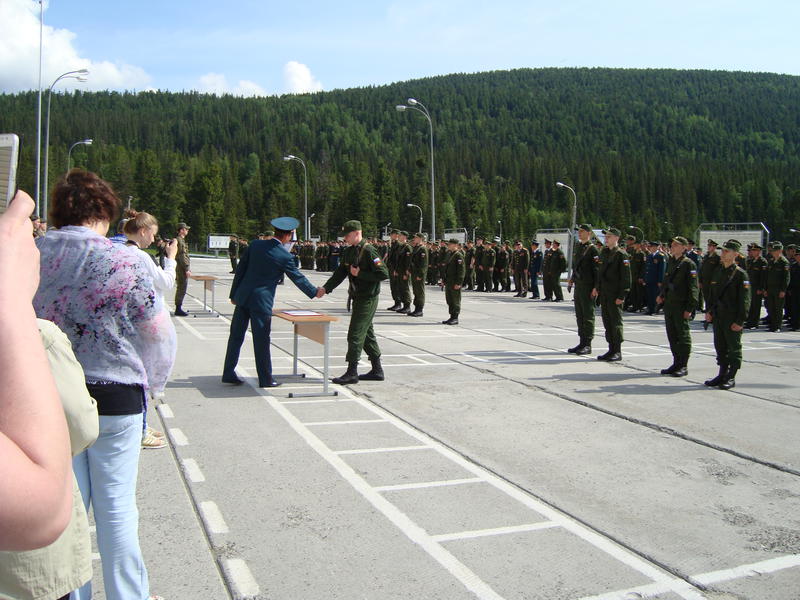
point(640, 147)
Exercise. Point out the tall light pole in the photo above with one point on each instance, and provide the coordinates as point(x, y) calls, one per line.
point(419, 208)
point(80, 75)
point(573, 223)
point(386, 229)
point(39, 112)
point(419, 107)
point(86, 142)
point(501, 230)
point(311, 216)
point(306, 224)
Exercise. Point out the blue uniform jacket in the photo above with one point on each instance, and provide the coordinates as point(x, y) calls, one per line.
point(257, 275)
point(655, 267)
point(536, 262)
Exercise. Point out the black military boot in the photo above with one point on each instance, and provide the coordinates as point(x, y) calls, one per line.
point(417, 312)
point(394, 306)
point(350, 376)
point(729, 380)
point(616, 354)
point(179, 312)
point(719, 378)
point(681, 369)
point(586, 348)
point(607, 354)
point(376, 373)
point(672, 368)
point(574, 349)
point(403, 310)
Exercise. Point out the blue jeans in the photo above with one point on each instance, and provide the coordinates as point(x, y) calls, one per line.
point(106, 474)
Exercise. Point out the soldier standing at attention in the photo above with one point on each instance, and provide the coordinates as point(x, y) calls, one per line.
point(727, 303)
point(477, 256)
point(679, 299)
point(419, 270)
point(793, 291)
point(487, 266)
point(233, 252)
point(707, 267)
point(756, 267)
point(500, 266)
point(547, 255)
point(453, 277)
point(535, 269)
point(638, 258)
point(362, 265)
point(391, 260)
point(558, 264)
point(182, 272)
point(614, 282)
point(469, 255)
point(653, 276)
point(402, 269)
point(521, 264)
point(778, 275)
point(585, 260)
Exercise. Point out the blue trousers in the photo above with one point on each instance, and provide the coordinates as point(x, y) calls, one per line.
point(261, 324)
point(106, 474)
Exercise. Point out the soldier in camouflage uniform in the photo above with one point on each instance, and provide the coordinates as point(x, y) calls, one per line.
point(584, 276)
point(558, 264)
point(362, 266)
point(486, 268)
point(679, 298)
point(522, 260)
point(391, 260)
point(614, 282)
point(778, 275)
point(727, 304)
point(453, 278)
point(402, 269)
point(419, 270)
point(756, 267)
point(182, 272)
point(469, 261)
point(707, 267)
point(547, 257)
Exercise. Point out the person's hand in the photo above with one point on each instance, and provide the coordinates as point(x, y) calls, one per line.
point(171, 249)
point(418, 278)
point(405, 277)
point(781, 294)
point(709, 317)
point(736, 327)
point(354, 271)
point(188, 273)
point(457, 287)
point(233, 301)
point(687, 314)
point(320, 292)
point(595, 293)
point(659, 300)
point(618, 301)
point(19, 257)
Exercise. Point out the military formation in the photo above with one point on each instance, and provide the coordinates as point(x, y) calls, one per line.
point(617, 274)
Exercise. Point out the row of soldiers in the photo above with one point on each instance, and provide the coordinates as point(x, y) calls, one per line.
point(604, 277)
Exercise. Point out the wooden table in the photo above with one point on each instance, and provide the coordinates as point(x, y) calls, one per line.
point(316, 327)
point(209, 283)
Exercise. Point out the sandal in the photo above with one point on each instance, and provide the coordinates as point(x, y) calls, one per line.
point(151, 441)
point(154, 432)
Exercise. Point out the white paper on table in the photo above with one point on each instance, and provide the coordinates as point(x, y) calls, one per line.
point(302, 313)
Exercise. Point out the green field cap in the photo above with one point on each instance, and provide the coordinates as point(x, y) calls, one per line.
point(734, 245)
point(680, 240)
point(612, 231)
point(350, 226)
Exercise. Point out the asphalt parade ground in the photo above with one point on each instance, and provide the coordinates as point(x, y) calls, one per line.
point(490, 464)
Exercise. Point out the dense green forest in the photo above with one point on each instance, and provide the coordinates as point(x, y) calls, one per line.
point(663, 149)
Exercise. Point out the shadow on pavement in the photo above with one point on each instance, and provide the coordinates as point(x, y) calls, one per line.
point(210, 386)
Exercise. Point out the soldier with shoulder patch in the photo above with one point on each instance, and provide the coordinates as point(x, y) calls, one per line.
point(453, 278)
point(614, 282)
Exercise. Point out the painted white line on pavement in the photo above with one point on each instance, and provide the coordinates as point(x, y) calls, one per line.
point(95, 556)
point(165, 411)
point(178, 437)
point(376, 450)
point(321, 401)
point(213, 517)
point(413, 531)
point(355, 422)
point(241, 578)
point(193, 471)
point(467, 535)
point(759, 568)
point(752, 570)
point(621, 554)
point(427, 484)
point(192, 330)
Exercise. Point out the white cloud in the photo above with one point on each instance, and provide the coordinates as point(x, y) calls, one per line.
point(298, 79)
point(217, 83)
point(19, 55)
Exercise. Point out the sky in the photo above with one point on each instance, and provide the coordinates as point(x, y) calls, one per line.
point(266, 47)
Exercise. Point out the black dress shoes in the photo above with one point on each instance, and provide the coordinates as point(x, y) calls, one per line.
point(270, 384)
point(232, 380)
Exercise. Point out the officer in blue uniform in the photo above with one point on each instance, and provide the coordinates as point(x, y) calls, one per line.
point(654, 269)
point(253, 292)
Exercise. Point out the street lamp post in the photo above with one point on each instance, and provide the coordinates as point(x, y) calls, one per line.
point(86, 142)
point(573, 225)
point(418, 106)
point(386, 229)
point(80, 75)
point(311, 216)
point(419, 208)
point(306, 224)
point(501, 230)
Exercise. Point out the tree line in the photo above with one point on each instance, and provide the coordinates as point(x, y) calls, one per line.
point(662, 149)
